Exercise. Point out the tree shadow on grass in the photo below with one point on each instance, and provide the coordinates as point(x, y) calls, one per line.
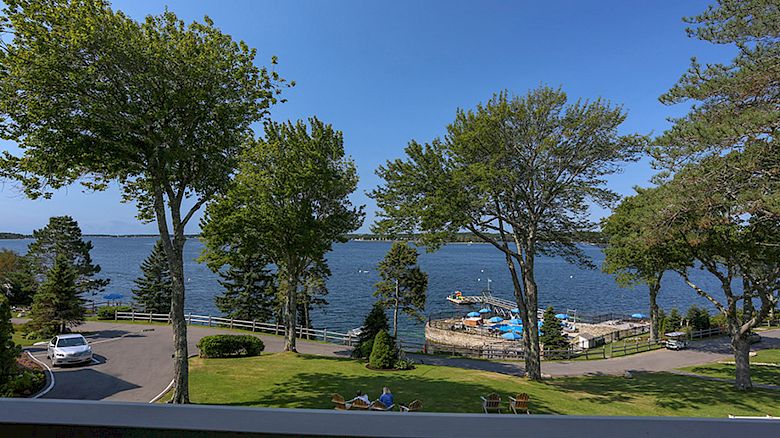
point(314, 390)
point(767, 375)
point(669, 391)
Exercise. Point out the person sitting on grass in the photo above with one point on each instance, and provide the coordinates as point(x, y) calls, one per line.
point(387, 397)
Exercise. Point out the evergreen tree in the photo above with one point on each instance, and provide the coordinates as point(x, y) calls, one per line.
point(153, 289)
point(250, 290)
point(375, 322)
point(673, 321)
point(383, 352)
point(698, 318)
point(62, 237)
point(56, 305)
point(403, 283)
point(8, 350)
point(552, 336)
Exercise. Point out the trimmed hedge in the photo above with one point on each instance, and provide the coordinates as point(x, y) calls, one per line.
point(107, 312)
point(230, 346)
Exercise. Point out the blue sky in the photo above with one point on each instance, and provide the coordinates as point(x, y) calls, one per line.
point(387, 72)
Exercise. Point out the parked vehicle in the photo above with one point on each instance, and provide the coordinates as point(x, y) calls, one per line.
point(676, 340)
point(69, 349)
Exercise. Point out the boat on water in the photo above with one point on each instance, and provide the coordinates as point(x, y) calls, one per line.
point(456, 297)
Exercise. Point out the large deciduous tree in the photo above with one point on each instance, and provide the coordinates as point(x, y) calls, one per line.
point(159, 106)
point(403, 284)
point(289, 202)
point(725, 203)
point(633, 254)
point(518, 172)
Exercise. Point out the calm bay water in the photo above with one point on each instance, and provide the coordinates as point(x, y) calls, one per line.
point(464, 267)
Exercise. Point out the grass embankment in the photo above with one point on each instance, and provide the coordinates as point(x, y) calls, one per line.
point(763, 374)
point(303, 381)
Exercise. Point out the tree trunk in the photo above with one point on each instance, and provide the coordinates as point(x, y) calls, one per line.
point(290, 317)
point(741, 347)
point(174, 253)
point(533, 365)
point(395, 313)
point(654, 322)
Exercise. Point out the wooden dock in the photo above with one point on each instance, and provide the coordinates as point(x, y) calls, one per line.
point(498, 306)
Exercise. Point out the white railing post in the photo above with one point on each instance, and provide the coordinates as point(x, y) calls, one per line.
point(116, 315)
point(189, 319)
point(231, 323)
point(209, 320)
point(132, 314)
point(253, 325)
point(325, 335)
point(150, 316)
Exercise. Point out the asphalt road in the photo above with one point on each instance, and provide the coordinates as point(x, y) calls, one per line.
point(132, 362)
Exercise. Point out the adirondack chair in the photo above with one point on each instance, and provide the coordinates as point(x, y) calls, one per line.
point(358, 405)
point(379, 406)
point(491, 403)
point(519, 403)
point(339, 403)
point(414, 406)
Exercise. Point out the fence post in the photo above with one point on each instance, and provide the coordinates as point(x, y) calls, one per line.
point(253, 325)
point(189, 319)
point(116, 316)
point(325, 335)
point(168, 319)
point(349, 339)
point(132, 315)
point(231, 323)
point(150, 316)
point(209, 320)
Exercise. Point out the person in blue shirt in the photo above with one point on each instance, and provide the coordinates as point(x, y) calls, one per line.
point(387, 397)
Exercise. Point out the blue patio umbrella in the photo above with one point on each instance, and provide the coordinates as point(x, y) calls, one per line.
point(515, 321)
point(515, 310)
point(484, 310)
point(472, 314)
point(496, 319)
point(638, 315)
point(113, 297)
point(562, 316)
point(512, 336)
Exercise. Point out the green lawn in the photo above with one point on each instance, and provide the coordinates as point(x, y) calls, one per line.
point(304, 381)
point(20, 340)
point(769, 375)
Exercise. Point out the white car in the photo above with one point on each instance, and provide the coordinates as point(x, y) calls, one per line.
point(68, 349)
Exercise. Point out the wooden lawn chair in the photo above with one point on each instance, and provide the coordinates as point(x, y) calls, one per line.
point(339, 403)
point(519, 403)
point(414, 406)
point(379, 406)
point(358, 404)
point(491, 403)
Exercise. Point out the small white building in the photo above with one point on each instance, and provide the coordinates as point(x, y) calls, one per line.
point(585, 341)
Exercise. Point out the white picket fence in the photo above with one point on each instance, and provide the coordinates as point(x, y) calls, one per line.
point(324, 335)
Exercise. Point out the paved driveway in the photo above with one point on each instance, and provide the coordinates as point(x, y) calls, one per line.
point(700, 352)
point(133, 362)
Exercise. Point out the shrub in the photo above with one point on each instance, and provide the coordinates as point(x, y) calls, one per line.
point(230, 346)
point(383, 354)
point(107, 312)
point(375, 322)
point(404, 364)
point(23, 384)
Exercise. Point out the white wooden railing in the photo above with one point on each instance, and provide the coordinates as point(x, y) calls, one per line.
point(324, 335)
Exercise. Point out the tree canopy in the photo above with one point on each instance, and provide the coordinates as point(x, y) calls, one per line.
point(289, 202)
point(519, 172)
point(404, 284)
point(162, 107)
